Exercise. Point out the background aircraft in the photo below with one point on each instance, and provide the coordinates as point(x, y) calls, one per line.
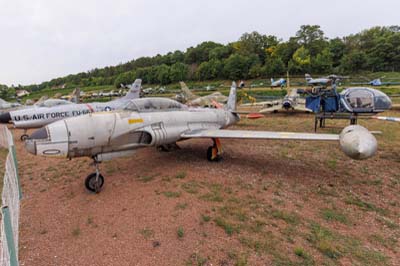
point(4, 105)
point(278, 83)
point(323, 81)
point(191, 99)
point(153, 122)
point(40, 116)
point(377, 82)
point(291, 102)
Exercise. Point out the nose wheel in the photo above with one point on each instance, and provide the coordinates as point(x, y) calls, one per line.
point(24, 136)
point(214, 152)
point(95, 181)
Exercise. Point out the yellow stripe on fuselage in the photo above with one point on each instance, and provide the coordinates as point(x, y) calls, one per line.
point(135, 121)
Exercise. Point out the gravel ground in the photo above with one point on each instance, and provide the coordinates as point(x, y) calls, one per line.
point(267, 202)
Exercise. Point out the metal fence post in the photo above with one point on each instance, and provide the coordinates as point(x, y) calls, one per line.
point(9, 236)
point(14, 155)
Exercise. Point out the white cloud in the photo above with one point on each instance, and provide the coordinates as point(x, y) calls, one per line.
point(44, 39)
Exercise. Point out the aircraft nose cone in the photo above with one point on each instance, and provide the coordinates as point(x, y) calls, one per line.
point(40, 134)
point(287, 104)
point(5, 117)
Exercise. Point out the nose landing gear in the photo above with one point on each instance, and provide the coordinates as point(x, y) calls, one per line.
point(24, 136)
point(214, 152)
point(95, 181)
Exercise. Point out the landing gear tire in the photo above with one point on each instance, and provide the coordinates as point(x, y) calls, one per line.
point(94, 184)
point(24, 137)
point(211, 157)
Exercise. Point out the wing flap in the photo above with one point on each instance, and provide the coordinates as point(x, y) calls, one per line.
point(248, 134)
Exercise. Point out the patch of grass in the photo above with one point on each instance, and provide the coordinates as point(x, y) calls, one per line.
point(214, 194)
point(334, 215)
point(241, 260)
point(196, 260)
point(180, 175)
point(89, 220)
point(172, 194)
point(235, 212)
point(191, 187)
point(374, 182)
point(387, 222)
point(335, 246)
point(76, 232)
point(366, 206)
point(180, 232)
point(389, 242)
point(181, 206)
point(299, 251)
point(147, 233)
point(290, 218)
point(205, 218)
point(147, 178)
point(325, 241)
point(228, 227)
point(51, 169)
point(332, 163)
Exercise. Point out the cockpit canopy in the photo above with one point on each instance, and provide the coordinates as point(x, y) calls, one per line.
point(52, 103)
point(153, 105)
point(361, 99)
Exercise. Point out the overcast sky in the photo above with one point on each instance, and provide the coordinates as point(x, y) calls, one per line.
point(45, 39)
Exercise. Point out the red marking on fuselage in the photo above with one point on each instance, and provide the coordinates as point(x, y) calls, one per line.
point(90, 108)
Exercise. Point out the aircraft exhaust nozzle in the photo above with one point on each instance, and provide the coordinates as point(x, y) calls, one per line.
point(5, 118)
point(357, 142)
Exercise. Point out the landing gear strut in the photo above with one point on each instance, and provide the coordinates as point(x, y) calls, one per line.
point(95, 181)
point(168, 147)
point(24, 136)
point(214, 152)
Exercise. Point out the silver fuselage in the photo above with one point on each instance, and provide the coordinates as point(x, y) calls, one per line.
point(40, 116)
point(111, 132)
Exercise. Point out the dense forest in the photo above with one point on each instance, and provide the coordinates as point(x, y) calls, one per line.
point(254, 55)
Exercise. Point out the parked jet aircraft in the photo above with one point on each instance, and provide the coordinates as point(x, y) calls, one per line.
point(191, 99)
point(40, 116)
point(291, 102)
point(323, 81)
point(378, 82)
point(4, 105)
point(148, 122)
point(278, 83)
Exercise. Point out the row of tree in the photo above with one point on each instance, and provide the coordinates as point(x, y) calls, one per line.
point(254, 55)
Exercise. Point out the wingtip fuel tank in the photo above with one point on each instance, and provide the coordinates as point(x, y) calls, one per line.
point(357, 142)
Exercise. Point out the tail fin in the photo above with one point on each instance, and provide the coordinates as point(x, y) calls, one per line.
point(231, 105)
point(75, 95)
point(187, 93)
point(308, 77)
point(42, 99)
point(134, 90)
point(272, 80)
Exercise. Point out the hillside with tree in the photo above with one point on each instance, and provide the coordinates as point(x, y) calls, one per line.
point(254, 55)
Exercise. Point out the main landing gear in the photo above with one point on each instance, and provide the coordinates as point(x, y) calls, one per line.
point(95, 181)
point(214, 152)
point(24, 136)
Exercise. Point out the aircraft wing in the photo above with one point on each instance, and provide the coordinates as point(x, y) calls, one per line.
point(272, 109)
point(246, 134)
point(302, 108)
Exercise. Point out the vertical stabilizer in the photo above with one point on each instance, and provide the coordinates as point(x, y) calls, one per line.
point(231, 105)
point(189, 96)
point(134, 90)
